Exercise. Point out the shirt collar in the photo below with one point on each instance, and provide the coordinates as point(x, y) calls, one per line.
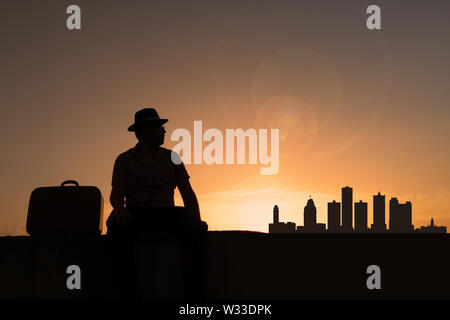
point(137, 150)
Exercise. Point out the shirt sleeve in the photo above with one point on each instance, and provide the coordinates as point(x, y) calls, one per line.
point(181, 174)
point(117, 196)
point(119, 173)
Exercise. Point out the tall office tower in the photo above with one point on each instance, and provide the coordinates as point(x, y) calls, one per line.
point(361, 216)
point(347, 209)
point(310, 216)
point(400, 216)
point(334, 216)
point(276, 214)
point(379, 213)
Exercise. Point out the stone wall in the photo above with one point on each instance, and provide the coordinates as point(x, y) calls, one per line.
point(239, 265)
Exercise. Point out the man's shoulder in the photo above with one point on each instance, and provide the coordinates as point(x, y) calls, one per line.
point(172, 155)
point(124, 156)
point(165, 151)
point(166, 154)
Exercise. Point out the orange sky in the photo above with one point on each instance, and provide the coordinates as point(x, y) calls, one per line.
point(368, 109)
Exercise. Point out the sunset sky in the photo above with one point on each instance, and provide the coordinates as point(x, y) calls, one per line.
point(367, 109)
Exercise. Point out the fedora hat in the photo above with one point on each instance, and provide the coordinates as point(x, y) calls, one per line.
point(145, 117)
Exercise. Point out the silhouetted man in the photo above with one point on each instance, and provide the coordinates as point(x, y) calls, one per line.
point(142, 195)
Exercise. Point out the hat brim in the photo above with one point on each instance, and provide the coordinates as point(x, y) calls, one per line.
point(145, 123)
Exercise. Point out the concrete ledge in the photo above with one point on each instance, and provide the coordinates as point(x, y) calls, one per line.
point(239, 265)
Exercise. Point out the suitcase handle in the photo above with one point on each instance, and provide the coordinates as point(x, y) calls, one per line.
point(69, 181)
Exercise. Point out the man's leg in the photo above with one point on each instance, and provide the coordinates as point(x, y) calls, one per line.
point(120, 247)
point(193, 242)
point(192, 236)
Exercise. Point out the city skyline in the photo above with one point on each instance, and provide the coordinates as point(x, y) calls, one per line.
point(340, 221)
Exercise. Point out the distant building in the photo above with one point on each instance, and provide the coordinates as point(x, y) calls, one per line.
point(379, 213)
point(361, 216)
point(321, 227)
point(347, 209)
point(400, 216)
point(432, 228)
point(310, 224)
point(280, 227)
point(334, 216)
point(310, 215)
point(318, 228)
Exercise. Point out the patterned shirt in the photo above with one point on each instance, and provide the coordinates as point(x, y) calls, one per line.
point(144, 182)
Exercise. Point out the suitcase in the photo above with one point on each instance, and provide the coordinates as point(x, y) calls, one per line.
point(65, 210)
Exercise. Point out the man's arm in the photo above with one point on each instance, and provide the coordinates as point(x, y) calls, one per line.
point(189, 198)
point(117, 197)
point(182, 182)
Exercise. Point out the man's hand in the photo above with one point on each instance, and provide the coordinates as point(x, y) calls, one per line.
point(203, 226)
point(119, 216)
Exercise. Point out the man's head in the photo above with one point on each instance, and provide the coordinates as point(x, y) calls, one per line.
point(148, 126)
point(153, 135)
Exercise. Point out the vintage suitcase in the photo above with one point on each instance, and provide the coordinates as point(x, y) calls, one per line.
point(65, 210)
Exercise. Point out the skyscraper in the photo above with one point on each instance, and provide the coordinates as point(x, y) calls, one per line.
point(347, 209)
point(400, 216)
point(276, 214)
point(361, 216)
point(334, 216)
point(379, 213)
point(310, 215)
